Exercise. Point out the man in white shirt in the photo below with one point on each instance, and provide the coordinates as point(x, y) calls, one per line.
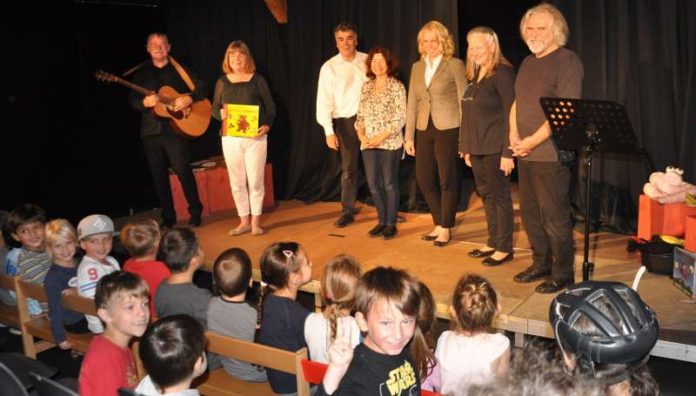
point(338, 96)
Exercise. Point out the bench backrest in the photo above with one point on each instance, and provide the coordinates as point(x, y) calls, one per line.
point(7, 282)
point(39, 326)
point(262, 355)
point(9, 314)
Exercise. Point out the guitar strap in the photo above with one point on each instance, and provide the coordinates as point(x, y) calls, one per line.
point(182, 73)
point(177, 66)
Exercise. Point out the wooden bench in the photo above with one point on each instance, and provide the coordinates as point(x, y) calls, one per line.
point(9, 314)
point(218, 382)
point(40, 326)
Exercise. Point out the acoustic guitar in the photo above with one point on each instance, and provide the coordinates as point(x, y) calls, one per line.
point(191, 122)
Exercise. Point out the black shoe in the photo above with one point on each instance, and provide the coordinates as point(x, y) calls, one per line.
point(389, 232)
point(376, 230)
point(167, 224)
point(441, 243)
point(194, 221)
point(552, 285)
point(478, 253)
point(428, 238)
point(531, 274)
point(344, 220)
point(491, 262)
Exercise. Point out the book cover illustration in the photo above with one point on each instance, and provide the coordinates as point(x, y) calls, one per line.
point(242, 120)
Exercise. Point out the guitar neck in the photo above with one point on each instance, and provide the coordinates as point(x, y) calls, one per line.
point(136, 88)
point(166, 98)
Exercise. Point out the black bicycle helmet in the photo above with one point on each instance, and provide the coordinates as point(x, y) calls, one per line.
point(624, 328)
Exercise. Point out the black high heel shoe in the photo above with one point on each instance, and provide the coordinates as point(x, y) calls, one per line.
point(491, 262)
point(442, 243)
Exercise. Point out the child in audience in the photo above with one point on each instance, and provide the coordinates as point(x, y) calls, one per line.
point(178, 295)
point(229, 314)
point(173, 353)
point(141, 238)
point(487, 354)
point(338, 282)
point(606, 331)
point(121, 299)
point(534, 370)
point(284, 268)
point(26, 225)
point(96, 234)
point(423, 345)
point(387, 303)
point(61, 243)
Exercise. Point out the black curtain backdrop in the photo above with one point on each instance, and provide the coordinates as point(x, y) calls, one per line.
point(641, 53)
point(313, 170)
point(71, 143)
point(290, 57)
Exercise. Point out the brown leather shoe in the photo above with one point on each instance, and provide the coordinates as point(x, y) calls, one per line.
point(531, 274)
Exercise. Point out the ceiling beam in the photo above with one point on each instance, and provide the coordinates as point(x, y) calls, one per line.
point(279, 9)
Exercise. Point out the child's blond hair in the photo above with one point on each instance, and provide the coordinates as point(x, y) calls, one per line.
point(59, 230)
point(338, 283)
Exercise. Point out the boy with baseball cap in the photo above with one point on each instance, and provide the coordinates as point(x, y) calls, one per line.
point(96, 233)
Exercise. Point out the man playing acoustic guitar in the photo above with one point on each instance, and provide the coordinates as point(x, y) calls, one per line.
point(162, 141)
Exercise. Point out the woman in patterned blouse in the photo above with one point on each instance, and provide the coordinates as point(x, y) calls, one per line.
point(381, 116)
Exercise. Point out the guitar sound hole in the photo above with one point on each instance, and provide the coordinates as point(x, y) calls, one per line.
point(176, 114)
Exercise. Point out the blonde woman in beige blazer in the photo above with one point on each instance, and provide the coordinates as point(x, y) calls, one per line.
point(437, 83)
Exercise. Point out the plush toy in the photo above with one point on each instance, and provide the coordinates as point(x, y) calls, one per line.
point(668, 187)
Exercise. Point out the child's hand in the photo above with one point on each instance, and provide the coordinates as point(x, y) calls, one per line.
point(340, 355)
point(340, 351)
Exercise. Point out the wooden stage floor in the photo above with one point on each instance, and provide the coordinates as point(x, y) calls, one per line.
point(525, 312)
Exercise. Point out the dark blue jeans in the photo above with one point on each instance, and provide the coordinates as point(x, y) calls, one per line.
point(382, 173)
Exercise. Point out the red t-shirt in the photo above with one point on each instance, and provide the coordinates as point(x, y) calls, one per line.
point(154, 272)
point(106, 367)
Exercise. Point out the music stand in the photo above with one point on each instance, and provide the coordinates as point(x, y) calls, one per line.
point(596, 125)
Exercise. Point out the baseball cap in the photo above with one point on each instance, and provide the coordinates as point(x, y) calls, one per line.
point(95, 224)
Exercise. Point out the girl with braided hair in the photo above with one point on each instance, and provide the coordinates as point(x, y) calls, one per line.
point(285, 267)
point(472, 353)
point(338, 283)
